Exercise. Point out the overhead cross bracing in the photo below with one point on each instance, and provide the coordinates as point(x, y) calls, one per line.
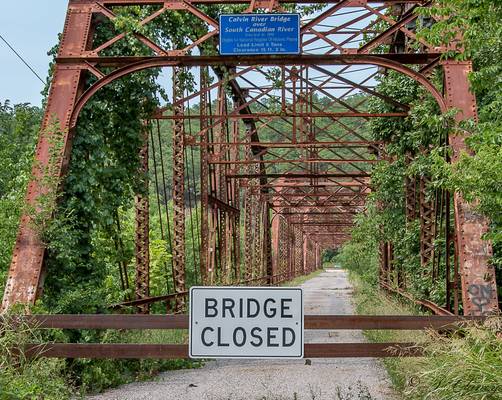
point(283, 143)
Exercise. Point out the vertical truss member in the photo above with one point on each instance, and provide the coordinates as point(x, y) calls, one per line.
point(204, 176)
point(477, 275)
point(178, 190)
point(142, 206)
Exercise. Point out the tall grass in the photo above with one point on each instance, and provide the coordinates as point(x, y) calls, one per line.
point(464, 365)
point(371, 301)
point(43, 378)
point(28, 378)
point(92, 376)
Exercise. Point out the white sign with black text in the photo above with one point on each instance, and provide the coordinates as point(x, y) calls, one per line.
point(246, 322)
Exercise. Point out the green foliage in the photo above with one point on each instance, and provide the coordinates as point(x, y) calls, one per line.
point(19, 125)
point(477, 20)
point(462, 366)
point(369, 300)
point(423, 135)
point(82, 262)
point(329, 255)
point(477, 175)
point(96, 375)
point(28, 378)
point(466, 365)
point(99, 188)
point(102, 179)
point(360, 254)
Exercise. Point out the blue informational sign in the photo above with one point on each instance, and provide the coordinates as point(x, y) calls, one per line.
point(247, 34)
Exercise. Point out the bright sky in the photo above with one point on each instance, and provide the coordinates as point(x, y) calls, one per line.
point(31, 27)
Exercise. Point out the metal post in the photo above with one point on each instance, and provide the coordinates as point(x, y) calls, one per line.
point(298, 250)
point(249, 237)
point(142, 208)
point(178, 191)
point(204, 175)
point(267, 244)
point(258, 236)
point(276, 238)
point(221, 188)
point(448, 238)
point(25, 273)
point(235, 201)
point(479, 288)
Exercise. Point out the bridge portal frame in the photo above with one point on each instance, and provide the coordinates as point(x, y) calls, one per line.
point(77, 58)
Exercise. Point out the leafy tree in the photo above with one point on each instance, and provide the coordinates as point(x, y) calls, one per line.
point(477, 175)
point(19, 126)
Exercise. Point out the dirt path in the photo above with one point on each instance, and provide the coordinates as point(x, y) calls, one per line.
point(325, 379)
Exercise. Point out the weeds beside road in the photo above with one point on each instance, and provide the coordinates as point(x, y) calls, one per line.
point(464, 365)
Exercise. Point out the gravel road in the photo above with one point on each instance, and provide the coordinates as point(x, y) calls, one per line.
point(321, 379)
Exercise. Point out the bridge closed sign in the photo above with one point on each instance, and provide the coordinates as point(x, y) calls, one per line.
point(246, 322)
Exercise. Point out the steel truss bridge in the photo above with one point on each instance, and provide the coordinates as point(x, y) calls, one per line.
point(271, 206)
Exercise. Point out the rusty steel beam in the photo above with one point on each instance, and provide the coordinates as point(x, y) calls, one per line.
point(180, 351)
point(257, 233)
point(338, 196)
point(142, 242)
point(477, 274)
point(248, 237)
point(318, 213)
point(260, 115)
point(395, 27)
point(267, 245)
point(305, 203)
point(320, 185)
point(204, 177)
point(296, 250)
point(299, 175)
point(235, 198)
point(52, 156)
point(142, 62)
point(411, 198)
point(276, 236)
point(439, 311)
point(284, 248)
point(330, 234)
point(181, 321)
point(178, 193)
point(322, 224)
point(294, 161)
point(342, 208)
point(320, 144)
point(317, 220)
point(259, 3)
point(217, 203)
